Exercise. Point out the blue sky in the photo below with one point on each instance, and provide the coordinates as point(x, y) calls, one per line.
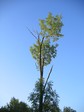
point(18, 73)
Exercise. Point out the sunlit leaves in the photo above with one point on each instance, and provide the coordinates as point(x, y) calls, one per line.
point(48, 52)
point(44, 50)
point(51, 27)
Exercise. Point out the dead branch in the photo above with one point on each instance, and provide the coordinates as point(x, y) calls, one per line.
point(32, 33)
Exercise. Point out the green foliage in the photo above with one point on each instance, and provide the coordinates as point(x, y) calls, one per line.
point(15, 106)
point(68, 109)
point(50, 98)
point(4, 109)
point(51, 27)
point(45, 48)
point(47, 52)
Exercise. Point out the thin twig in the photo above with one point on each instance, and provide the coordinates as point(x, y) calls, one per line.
point(31, 33)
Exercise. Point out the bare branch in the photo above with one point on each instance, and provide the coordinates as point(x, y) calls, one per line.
point(31, 33)
point(46, 83)
point(48, 77)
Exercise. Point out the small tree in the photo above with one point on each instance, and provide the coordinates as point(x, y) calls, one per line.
point(4, 109)
point(15, 106)
point(68, 109)
point(44, 50)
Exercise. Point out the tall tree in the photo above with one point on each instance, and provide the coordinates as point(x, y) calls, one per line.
point(44, 50)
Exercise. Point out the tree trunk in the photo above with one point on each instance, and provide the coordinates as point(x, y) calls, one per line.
point(41, 85)
point(41, 95)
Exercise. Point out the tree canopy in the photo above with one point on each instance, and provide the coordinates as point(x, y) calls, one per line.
point(15, 106)
point(46, 40)
point(50, 98)
point(68, 109)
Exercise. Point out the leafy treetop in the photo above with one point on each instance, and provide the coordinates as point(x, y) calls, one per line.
point(45, 47)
